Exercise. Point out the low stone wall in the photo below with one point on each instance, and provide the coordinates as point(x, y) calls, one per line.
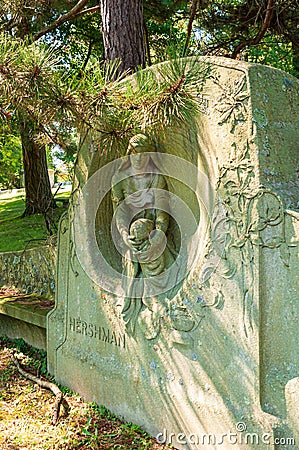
point(31, 271)
point(26, 320)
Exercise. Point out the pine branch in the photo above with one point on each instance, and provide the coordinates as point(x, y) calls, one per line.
point(269, 14)
point(76, 10)
point(193, 10)
point(87, 11)
point(31, 84)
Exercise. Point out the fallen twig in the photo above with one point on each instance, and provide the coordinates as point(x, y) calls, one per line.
point(28, 300)
point(43, 304)
point(59, 399)
point(15, 297)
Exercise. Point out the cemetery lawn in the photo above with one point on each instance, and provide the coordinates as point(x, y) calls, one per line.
point(19, 233)
point(26, 410)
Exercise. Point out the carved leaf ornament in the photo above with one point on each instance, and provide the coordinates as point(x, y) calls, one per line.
point(253, 216)
point(231, 103)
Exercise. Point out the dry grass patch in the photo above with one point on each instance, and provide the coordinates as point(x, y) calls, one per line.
point(26, 411)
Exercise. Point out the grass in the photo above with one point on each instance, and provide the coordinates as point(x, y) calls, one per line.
point(11, 207)
point(25, 412)
point(17, 233)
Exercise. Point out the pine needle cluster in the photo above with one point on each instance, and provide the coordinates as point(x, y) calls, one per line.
point(34, 83)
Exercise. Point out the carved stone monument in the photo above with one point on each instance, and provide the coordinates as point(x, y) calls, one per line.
point(178, 272)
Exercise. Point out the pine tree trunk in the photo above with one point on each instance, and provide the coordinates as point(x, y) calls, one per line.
point(123, 32)
point(39, 198)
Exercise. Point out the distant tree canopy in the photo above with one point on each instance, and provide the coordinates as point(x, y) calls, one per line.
point(263, 31)
point(85, 32)
point(23, 23)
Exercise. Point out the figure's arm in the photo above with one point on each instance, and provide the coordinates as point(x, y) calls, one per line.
point(121, 219)
point(161, 204)
point(117, 194)
point(117, 197)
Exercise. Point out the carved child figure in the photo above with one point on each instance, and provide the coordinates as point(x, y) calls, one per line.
point(152, 262)
point(140, 231)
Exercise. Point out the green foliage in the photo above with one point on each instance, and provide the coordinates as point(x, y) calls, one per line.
point(273, 53)
point(34, 80)
point(250, 30)
point(10, 161)
point(27, 70)
point(121, 435)
point(27, 74)
point(35, 358)
point(167, 37)
point(102, 412)
point(80, 40)
point(33, 84)
point(59, 95)
point(152, 101)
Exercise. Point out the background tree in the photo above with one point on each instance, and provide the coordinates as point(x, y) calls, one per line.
point(263, 31)
point(123, 33)
point(245, 29)
point(30, 22)
point(165, 28)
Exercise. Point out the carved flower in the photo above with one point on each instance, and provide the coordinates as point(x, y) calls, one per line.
point(231, 102)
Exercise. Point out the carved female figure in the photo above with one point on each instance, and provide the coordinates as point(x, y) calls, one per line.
point(140, 200)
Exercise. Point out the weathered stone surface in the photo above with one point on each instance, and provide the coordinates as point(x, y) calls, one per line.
point(17, 329)
point(32, 271)
point(24, 319)
point(24, 310)
point(216, 366)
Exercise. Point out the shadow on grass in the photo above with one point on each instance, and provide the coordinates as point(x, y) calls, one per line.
point(19, 233)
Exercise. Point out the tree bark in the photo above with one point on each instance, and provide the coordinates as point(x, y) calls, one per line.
point(39, 198)
point(296, 58)
point(123, 33)
point(193, 10)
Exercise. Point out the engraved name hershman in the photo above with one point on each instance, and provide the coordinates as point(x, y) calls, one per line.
point(91, 330)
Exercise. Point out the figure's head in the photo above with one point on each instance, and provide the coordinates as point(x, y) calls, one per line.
point(140, 229)
point(141, 143)
point(139, 146)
